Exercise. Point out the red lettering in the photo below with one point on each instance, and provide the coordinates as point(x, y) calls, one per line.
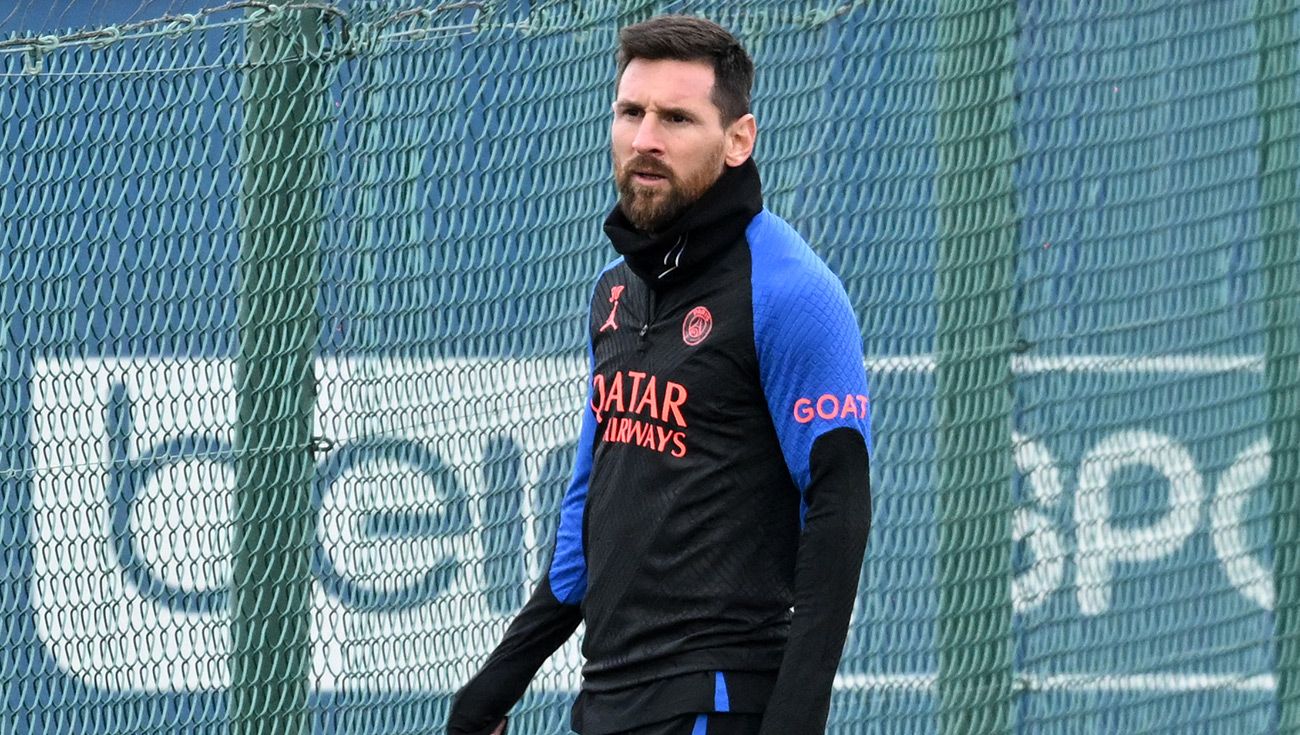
point(663, 435)
point(615, 393)
point(679, 441)
point(835, 406)
point(644, 434)
point(645, 438)
point(636, 385)
point(829, 407)
point(597, 394)
point(648, 399)
point(674, 397)
point(850, 407)
point(803, 412)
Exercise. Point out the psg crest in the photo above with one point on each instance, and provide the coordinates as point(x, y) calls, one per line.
point(697, 326)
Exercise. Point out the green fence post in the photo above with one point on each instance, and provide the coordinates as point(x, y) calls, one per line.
point(282, 167)
point(977, 237)
point(1275, 21)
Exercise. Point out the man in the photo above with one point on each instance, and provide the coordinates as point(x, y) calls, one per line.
point(713, 533)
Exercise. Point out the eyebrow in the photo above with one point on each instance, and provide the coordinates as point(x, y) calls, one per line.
point(666, 111)
point(670, 111)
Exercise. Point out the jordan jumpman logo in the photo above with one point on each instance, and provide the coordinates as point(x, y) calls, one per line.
point(614, 294)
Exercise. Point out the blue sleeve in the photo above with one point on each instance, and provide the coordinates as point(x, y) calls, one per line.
point(809, 345)
point(568, 572)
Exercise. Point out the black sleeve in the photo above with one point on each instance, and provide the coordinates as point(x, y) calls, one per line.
point(542, 626)
point(827, 570)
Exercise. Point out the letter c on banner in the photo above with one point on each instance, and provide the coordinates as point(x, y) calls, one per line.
point(1249, 470)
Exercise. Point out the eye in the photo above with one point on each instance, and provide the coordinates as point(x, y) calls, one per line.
point(678, 118)
point(630, 112)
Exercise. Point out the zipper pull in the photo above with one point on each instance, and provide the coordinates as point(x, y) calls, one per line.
point(644, 328)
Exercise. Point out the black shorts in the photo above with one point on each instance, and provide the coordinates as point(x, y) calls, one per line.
point(713, 723)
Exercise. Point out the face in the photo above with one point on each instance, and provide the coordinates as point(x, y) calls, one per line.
point(669, 144)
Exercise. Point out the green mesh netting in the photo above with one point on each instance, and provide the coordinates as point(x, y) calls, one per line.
point(292, 304)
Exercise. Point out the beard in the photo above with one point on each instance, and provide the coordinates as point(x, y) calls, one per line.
point(653, 209)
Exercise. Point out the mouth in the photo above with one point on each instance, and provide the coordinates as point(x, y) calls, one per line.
point(648, 178)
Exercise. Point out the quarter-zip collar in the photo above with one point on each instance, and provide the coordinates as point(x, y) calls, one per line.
point(703, 232)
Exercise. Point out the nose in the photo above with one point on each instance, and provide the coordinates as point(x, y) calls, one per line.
point(647, 140)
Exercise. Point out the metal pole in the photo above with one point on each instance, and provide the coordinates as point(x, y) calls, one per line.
point(975, 332)
point(282, 166)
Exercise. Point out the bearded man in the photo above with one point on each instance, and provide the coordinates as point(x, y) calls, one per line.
point(713, 533)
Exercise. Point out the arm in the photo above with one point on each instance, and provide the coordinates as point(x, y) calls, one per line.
point(542, 626)
point(826, 583)
point(546, 621)
point(810, 360)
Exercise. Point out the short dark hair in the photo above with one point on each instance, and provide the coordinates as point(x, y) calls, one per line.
point(687, 38)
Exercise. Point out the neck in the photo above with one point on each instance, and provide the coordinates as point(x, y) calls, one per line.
point(708, 226)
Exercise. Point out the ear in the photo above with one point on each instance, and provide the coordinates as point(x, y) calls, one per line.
point(741, 135)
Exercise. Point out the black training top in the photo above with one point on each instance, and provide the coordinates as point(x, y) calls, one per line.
point(713, 533)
